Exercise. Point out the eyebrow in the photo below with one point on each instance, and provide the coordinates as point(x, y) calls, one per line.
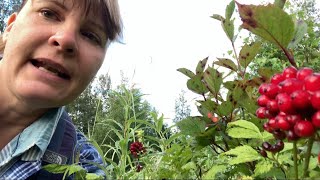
point(56, 2)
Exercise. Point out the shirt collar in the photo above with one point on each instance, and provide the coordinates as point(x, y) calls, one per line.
point(38, 134)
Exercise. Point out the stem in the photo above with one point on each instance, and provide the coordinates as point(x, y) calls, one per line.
point(289, 56)
point(307, 160)
point(295, 159)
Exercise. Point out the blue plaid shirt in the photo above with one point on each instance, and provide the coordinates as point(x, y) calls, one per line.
point(21, 158)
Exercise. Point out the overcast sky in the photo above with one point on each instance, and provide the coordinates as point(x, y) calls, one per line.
point(161, 36)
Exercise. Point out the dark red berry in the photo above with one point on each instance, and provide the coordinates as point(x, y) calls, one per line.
point(263, 88)
point(267, 127)
point(278, 134)
point(266, 146)
point(303, 73)
point(279, 145)
point(293, 119)
point(291, 136)
point(304, 129)
point(263, 153)
point(272, 123)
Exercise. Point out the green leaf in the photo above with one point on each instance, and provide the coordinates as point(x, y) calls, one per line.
point(243, 129)
point(230, 9)
point(262, 167)
point(213, 80)
point(217, 17)
point(56, 168)
point(269, 22)
point(214, 170)
point(206, 138)
point(228, 27)
point(196, 85)
point(243, 154)
point(201, 65)
point(248, 52)
point(225, 108)
point(227, 63)
point(186, 72)
point(300, 30)
point(91, 176)
point(189, 166)
point(191, 126)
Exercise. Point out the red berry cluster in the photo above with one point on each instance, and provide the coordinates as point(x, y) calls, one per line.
point(136, 149)
point(291, 103)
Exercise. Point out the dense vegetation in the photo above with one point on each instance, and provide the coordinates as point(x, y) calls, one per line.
point(229, 139)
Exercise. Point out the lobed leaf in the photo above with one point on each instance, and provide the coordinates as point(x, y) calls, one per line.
point(191, 126)
point(263, 167)
point(196, 85)
point(243, 129)
point(269, 22)
point(248, 52)
point(243, 154)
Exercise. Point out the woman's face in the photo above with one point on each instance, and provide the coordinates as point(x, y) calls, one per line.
point(52, 52)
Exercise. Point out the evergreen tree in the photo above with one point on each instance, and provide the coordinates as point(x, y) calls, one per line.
point(182, 109)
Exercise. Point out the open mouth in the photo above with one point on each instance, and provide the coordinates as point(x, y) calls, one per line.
point(51, 68)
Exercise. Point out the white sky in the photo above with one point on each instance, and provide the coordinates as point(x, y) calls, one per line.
point(161, 36)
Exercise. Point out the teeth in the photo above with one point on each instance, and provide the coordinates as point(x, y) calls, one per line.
point(48, 71)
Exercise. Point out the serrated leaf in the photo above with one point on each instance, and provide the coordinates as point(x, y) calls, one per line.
point(243, 154)
point(225, 108)
point(300, 30)
point(248, 52)
point(263, 167)
point(186, 72)
point(269, 22)
point(230, 9)
point(213, 171)
point(228, 27)
point(217, 17)
point(243, 129)
point(196, 85)
point(201, 65)
point(209, 106)
point(212, 79)
point(191, 126)
point(227, 63)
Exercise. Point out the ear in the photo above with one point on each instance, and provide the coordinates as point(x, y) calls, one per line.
point(10, 23)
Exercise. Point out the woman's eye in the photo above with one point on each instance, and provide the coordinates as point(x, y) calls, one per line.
point(49, 14)
point(92, 37)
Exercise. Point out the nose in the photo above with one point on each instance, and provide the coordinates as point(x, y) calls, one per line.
point(65, 41)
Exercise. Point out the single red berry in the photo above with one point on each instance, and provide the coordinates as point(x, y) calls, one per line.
point(315, 100)
point(279, 145)
point(293, 119)
point(303, 73)
point(282, 123)
point(272, 90)
point(272, 123)
point(312, 82)
point(289, 72)
point(260, 112)
point(139, 167)
point(290, 85)
point(267, 127)
point(209, 115)
point(316, 119)
point(277, 78)
point(272, 106)
point(284, 103)
point(300, 99)
point(263, 88)
point(263, 100)
point(304, 129)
